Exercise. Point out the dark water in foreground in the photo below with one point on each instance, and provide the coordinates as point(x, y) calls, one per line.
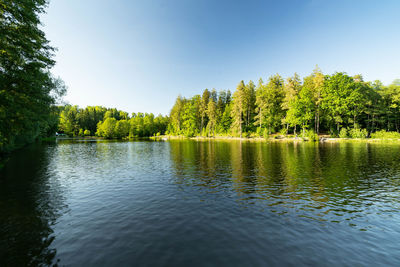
point(187, 203)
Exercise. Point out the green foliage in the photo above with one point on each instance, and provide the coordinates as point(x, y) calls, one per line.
point(324, 103)
point(382, 134)
point(318, 103)
point(358, 133)
point(74, 119)
point(259, 132)
point(343, 133)
point(107, 128)
point(343, 98)
point(212, 115)
point(121, 129)
point(238, 110)
point(190, 117)
point(269, 99)
point(28, 91)
point(311, 135)
point(266, 133)
point(226, 120)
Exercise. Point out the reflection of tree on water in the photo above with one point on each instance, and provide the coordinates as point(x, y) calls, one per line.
point(322, 181)
point(30, 203)
point(243, 162)
point(200, 163)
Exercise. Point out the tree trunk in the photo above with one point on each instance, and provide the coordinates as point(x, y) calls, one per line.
point(373, 123)
point(315, 122)
point(240, 128)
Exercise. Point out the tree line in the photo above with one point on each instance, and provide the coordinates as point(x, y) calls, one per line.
point(339, 105)
point(109, 122)
point(336, 104)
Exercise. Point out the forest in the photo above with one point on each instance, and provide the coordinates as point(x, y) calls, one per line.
point(337, 105)
point(109, 122)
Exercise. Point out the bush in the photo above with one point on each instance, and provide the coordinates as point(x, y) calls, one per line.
point(86, 133)
point(343, 133)
point(204, 132)
point(382, 134)
point(358, 133)
point(283, 131)
point(265, 133)
point(311, 135)
point(189, 133)
point(259, 133)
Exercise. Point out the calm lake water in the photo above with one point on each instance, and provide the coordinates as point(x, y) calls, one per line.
point(207, 203)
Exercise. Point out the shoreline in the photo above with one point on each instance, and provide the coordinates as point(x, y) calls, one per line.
point(321, 139)
point(276, 138)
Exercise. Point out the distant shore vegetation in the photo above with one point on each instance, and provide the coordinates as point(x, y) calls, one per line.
point(337, 105)
point(109, 122)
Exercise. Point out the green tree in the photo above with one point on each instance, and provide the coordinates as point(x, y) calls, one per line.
point(238, 108)
point(317, 86)
point(176, 115)
point(69, 120)
point(292, 88)
point(212, 115)
point(203, 108)
point(107, 128)
point(121, 129)
point(304, 106)
point(190, 117)
point(269, 103)
point(226, 119)
point(342, 98)
point(27, 89)
point(249, 99)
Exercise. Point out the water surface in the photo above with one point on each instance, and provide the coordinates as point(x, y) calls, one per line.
point(207, 203)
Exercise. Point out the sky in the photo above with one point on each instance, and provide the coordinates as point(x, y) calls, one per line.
point(138, 56)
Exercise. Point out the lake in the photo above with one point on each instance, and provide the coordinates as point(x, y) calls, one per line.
point(200, 203)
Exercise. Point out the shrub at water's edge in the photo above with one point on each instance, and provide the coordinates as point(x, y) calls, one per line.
point(382, 134)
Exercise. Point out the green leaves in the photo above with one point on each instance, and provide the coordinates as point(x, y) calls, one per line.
point(327, 102)
point(27, 89)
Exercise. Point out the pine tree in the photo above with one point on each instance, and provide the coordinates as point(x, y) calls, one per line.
point(238, 108)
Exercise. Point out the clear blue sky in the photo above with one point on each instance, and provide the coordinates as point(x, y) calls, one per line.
point(140, 55)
